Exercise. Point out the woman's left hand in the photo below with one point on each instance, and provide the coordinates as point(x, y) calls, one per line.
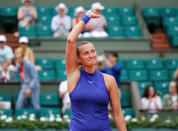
point(93, 13)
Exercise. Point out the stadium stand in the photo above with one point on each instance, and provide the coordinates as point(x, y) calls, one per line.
point(119, 17)
point(24, 113)
point(9, 17)
point(166, 17)
point(7, 112)
point(47, 112)
point(125, 31)
point(47, 99)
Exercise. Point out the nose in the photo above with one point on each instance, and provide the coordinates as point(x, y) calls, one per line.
point(90, 54)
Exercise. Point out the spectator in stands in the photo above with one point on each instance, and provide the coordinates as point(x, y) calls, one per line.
point(64, 95)
point(170, 100)
point(61, 23)
point(30, 84)
point(176, 75)
point(151, 101)
point(26, 51)
point(97, 26)
point(5, 74)
point(79, 12)
point(112, 67)
point(5, 51)
point(27, 14)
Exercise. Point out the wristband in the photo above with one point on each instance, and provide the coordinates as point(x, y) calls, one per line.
point(85, 19)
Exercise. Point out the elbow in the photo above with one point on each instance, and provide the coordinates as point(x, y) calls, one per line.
point(70, 39)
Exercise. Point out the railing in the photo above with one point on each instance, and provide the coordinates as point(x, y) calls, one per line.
point(160, 52)
point(138, 12)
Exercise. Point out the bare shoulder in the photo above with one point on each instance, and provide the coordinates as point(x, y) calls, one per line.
point(108, 77)
point(72, 79)
point(109, 80)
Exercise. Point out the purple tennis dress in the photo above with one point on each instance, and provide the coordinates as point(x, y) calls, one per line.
point(89, 100)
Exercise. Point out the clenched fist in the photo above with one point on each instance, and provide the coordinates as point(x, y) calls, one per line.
point(93, 13)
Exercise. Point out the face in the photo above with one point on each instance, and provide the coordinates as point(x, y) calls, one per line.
point(61, 11)
point(112, 59)
point(23, 45)
point(19, 58)
point(2, 44)
point(80, 14)
point(5, 65)
point(87, 55)
point(172, 87)
point(151, 91)
point(99, 11)
point(27, 3)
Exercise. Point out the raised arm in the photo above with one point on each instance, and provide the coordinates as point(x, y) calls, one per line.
point(71, 58)
point(106, 61)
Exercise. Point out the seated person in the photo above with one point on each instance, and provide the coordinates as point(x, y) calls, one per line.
point(64, 95)
point(61, 23)
point(151, 102)
point(79, 12)
point(5, 51)
point(5, 74)
point(97, 26)
point(170, 100)
point(27, 14)
point(26, 51)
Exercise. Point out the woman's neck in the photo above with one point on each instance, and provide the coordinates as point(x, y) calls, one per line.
point(90, 69)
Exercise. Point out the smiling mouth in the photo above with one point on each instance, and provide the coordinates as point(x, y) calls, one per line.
point(92, 60)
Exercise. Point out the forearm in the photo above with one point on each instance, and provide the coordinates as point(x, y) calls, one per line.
point(61, 95)
point(157, 107)
point(120, 122)
point(91, 27)
point(73, 23)
point(20, 15)
point(107, 62)
point(73, 35)
point(35, 15)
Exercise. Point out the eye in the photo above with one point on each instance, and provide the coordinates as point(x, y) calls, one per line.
point(92, 51)
point(86, 53)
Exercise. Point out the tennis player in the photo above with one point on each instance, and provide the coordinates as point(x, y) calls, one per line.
point(90, 90)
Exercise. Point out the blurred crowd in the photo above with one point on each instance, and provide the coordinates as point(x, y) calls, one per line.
point(152, 102)
point(61, 24)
